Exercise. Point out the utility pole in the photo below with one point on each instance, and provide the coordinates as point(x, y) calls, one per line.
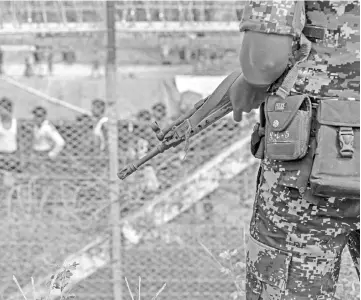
point(111, 83)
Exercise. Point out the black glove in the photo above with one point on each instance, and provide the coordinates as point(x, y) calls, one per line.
point(245, 97)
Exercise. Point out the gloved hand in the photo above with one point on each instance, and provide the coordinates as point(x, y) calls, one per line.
point(263, 58)
point(245, 97)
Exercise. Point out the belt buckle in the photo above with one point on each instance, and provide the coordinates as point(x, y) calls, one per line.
point(346, 139)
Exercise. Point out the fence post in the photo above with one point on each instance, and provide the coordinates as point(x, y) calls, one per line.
point(110, 81)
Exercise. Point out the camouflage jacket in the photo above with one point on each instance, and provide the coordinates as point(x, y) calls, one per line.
point(333, 67)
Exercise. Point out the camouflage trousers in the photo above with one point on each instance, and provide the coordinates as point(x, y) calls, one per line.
point(295, 247)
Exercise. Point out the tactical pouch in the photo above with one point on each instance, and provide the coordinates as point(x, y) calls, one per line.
point(336, 167)
point(288, 125)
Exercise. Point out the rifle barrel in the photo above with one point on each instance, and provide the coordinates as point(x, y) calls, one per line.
point(132, 167)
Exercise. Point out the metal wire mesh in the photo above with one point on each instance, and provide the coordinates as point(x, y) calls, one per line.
point(56, 208)
point(53, 207)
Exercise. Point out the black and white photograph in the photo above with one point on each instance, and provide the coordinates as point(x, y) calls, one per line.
point(179, 150)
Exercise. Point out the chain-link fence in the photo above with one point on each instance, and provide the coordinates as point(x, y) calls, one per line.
point(55, 181)
point(55, 205)
point(71, 33)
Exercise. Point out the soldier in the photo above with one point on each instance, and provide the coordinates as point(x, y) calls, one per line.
point(297, 235)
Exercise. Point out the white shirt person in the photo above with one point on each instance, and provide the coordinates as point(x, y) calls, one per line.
point(8, 127)
point(46, 137)
point(8, 136)
point(98, 132)
point(101, 122)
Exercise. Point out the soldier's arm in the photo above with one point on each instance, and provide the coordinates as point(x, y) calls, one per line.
point(263, 58)
point(269, 29)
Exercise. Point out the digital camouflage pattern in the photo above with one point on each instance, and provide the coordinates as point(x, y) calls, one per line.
point(287, 17)
point(333, 69)
point(354, 247)
point(296, 242)
point(301, 241)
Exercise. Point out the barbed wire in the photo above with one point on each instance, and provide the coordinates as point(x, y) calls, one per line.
point(56, 208)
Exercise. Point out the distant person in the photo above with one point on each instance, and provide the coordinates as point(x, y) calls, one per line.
point(29, 66)
point(47, 139)
point(95, 73)
point(171, 98)
point(50, 60)
point(43, 62)
point(165, 54)
point(1, 61)
point(8, 127)
point(100, 130)
point(188, 99)
point(141, 146)
point(68, 55)
point(36, 59)
point(159, 111)
point(96, 64)
point(8, 136)
point(143, 132)
point(144, 116)
point(39, 55)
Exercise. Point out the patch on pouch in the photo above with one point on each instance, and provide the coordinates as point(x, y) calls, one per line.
point(280, 106)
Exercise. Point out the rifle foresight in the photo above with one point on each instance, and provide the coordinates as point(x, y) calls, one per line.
point(157, 130)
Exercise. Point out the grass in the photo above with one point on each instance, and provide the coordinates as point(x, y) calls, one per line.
point(232, 269)
point(185, 266)
point(139, 287)
point(58, 281)
point(235, 195)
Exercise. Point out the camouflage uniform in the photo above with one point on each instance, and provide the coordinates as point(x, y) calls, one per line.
point(296, 242)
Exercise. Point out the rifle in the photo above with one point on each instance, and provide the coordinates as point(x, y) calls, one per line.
point(203, 114)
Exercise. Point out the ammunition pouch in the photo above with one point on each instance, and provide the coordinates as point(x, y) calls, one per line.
point(288, 126)
point(336, 166)
point(316, 149)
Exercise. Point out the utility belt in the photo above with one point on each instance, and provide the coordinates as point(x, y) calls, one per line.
point(313, 142)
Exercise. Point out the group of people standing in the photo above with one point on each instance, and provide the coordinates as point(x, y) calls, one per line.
point(49, 141)
point(46, 139)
